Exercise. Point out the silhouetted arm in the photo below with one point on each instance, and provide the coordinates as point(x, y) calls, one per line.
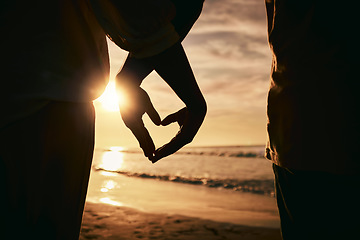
point(173, 66)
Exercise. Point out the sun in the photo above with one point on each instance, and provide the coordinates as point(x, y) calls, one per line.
point(110, 100)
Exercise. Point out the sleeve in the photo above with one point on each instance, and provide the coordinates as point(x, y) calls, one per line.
point(141, 27)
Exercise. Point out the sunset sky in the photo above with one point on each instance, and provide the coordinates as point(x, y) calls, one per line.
point(230, 57)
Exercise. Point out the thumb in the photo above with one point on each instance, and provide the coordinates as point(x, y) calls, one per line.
point(149, 108)
point(169, 119)
point(178, 117)
point(152, 113)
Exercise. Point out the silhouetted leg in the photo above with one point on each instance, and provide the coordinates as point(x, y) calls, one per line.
point(45, 162)
point(317, 205)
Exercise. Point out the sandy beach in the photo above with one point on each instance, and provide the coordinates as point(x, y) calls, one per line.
point(120, 207)
point(106, 222)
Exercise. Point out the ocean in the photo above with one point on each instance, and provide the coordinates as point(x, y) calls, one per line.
point(235, 168)
point(231, 184)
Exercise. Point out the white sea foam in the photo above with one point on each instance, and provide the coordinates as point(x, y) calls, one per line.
point(241, 168)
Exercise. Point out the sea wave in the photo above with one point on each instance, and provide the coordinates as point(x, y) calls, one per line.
point(265, 186)
point(250, 152)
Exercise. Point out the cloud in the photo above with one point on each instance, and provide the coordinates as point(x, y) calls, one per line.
point(230, 57)
point(245, 16)
point(230, 34)
point(229, 54)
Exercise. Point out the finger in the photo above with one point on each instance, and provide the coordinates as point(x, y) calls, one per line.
point(143, 137)
point(179, 117)
point(153, 114)
point(148, 145)
point(173, 146)
point(169, 119)
point(183, 137)
point(167, 150)
point(149, 107)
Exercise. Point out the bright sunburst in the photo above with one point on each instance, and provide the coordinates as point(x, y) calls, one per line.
point(110, 99)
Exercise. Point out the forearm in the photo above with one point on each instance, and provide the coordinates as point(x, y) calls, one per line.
point(173, 66)
point(132, 73)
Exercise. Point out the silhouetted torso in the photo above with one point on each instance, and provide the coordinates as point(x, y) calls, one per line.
point(313, 108)
point(54, 50)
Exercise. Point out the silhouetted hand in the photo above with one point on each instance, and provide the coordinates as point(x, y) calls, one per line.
point(189, 122)
point(137, 103)
point(173, 66)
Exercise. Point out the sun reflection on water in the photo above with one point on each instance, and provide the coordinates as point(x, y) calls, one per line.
point(111, 202)
point(108, 185)
point(112, 160)
point(109, 174)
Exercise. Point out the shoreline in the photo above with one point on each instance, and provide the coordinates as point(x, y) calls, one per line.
point(155, 196)
point(107, 222)
point(119, 207)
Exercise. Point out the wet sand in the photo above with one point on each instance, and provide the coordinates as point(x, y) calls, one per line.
point(120, 207)
point(106, 222)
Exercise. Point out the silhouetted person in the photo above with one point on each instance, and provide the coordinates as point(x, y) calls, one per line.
point(313, 117)
point(55, 63)
point(166, 57)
